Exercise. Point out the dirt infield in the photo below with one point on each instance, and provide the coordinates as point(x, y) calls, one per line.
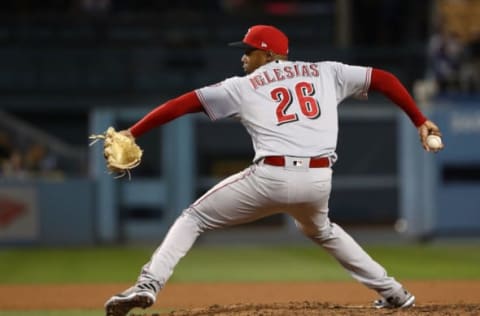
point(322, 309)
point(260, 299)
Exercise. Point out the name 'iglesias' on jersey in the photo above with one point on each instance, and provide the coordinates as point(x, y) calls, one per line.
point(286, 72)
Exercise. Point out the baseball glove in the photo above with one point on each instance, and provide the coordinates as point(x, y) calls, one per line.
point(120, 151)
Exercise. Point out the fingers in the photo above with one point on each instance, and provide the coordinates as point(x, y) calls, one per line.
point(436, 150)
point(433, 128)
point(423, 133)
point(429, 128)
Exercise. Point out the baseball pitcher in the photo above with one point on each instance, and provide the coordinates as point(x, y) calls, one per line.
point(289, 108)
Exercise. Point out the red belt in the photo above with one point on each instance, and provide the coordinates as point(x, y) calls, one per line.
point(321, 162)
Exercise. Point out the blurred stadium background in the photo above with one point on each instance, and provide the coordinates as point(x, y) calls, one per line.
point(70, 68)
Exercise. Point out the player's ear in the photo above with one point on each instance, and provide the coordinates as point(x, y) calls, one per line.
point(270, 55)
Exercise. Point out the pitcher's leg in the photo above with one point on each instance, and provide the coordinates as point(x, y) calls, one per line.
point(180, 238)
point(233, 201)
point(156, 272)
point(360, 265)
point(350, 255)
point(178, 241)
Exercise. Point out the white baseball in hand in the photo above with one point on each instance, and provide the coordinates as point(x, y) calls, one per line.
point(434, 142)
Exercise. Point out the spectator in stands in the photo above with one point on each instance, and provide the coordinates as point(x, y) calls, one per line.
point(446, 54)
point(470, 71)
point(35, 161)
point(10, 157)
point(38, 161)
point(13, 167)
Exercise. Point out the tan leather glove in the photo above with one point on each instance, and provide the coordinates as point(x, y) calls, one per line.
point(120, 150)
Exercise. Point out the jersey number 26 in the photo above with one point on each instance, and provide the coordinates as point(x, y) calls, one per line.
point(304, 92)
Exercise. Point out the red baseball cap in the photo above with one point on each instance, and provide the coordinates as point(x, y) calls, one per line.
point(264, 37)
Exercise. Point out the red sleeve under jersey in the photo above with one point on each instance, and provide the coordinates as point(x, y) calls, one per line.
point(186, 103)
point(381, 81)
point(386, 83)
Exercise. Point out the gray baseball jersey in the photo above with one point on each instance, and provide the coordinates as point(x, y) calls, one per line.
point(290, 110)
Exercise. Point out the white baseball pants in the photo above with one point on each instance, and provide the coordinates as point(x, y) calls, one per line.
point(262, 190)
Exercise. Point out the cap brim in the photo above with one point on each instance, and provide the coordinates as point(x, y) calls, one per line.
point(239, 45)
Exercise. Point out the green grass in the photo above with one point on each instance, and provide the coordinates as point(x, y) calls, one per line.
point(314, 264)
point(71, 265)
point(238, 264)
point(229, 264)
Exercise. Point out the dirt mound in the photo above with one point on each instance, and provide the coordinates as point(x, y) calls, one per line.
point(317, 308)
point(447, 297)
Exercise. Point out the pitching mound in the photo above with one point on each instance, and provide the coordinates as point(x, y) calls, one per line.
point(316, 308)
point(257, 299)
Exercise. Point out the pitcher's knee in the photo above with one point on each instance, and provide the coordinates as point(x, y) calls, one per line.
point(203, 222)
point(192, 217)
point(316, 233)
